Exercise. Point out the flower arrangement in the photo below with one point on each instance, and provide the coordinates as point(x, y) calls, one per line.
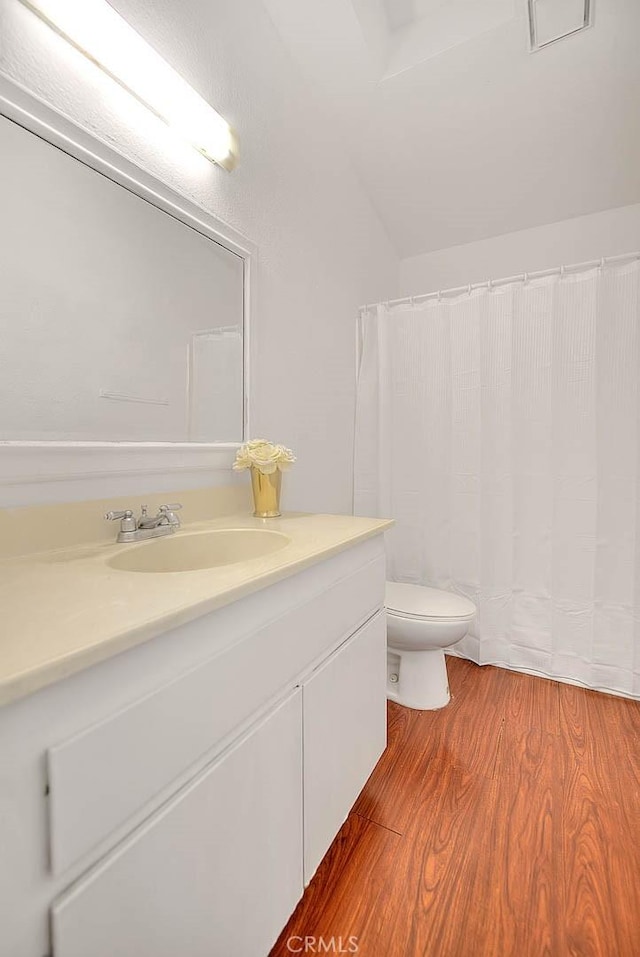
point(264, 456)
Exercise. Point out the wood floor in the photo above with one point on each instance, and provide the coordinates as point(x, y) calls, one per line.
point(508, 823)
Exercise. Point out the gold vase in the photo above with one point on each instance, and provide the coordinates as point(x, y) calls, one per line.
point(266, 493)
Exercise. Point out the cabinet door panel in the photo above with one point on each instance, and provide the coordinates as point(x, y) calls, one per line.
point(345, 732)
point(216, 872)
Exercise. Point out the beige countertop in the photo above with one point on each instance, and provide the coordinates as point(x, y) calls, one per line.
point(64, 610)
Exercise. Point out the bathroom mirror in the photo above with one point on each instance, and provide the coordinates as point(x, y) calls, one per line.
point(120, 320)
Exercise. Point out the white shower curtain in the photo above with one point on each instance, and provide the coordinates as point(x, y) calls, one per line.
point(500, 429)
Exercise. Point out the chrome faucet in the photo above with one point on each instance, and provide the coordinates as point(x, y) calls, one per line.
point(139, 529)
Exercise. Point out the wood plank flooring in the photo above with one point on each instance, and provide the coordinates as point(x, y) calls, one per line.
point(507, 823)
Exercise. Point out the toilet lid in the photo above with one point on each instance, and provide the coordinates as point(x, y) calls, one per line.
point(417, 601)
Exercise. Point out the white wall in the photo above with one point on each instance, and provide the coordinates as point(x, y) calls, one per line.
point(322, 248)
point(610, 233)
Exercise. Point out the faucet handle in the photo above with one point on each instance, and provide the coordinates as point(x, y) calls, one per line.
point(168, 510)
point(128, 523)
point(114, 516)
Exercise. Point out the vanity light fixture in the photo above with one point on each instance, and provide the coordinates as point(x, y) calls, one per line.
point(552, 20)
point(102, 35)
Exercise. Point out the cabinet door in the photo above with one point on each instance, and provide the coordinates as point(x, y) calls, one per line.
point(345, 732)
point(215, 873)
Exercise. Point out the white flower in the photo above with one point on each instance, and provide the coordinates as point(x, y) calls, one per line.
point(264, 456)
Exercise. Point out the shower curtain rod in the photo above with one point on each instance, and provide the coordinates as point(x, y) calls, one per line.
point(521, 277)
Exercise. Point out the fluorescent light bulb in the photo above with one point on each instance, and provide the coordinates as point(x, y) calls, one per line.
point(94, 28)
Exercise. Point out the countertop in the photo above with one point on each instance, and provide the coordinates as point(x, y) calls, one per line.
point(65, 610)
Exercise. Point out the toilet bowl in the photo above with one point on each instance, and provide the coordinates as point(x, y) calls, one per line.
point(421, 623)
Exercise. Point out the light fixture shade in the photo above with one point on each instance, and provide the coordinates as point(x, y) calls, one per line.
point(552, 20)
point(98, 31)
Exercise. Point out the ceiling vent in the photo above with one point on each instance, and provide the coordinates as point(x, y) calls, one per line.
point(553, 20)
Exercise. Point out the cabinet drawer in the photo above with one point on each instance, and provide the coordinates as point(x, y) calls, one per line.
point(106, 776)
point(216, 872)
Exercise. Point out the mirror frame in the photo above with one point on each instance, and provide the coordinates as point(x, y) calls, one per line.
point(26, 467)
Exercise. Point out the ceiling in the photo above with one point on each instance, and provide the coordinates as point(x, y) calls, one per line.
point(457, 131)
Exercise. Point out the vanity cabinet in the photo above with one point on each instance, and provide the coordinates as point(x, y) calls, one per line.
point(177, 797)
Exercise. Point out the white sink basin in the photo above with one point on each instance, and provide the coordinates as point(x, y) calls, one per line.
point(189, 552)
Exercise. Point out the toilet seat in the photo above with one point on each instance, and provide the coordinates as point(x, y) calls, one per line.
point(417, 602)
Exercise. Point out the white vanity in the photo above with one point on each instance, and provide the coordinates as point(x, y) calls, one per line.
point(175, 793)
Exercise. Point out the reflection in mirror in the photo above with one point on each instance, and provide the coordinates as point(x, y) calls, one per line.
point(118, 322)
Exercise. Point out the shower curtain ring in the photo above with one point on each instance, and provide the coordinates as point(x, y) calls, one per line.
point(469, 290)
point(490, 285)
point(526, 278)
point(602, 263)
point(562, 272)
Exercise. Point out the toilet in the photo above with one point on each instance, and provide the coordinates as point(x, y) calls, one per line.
point(421, 623)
